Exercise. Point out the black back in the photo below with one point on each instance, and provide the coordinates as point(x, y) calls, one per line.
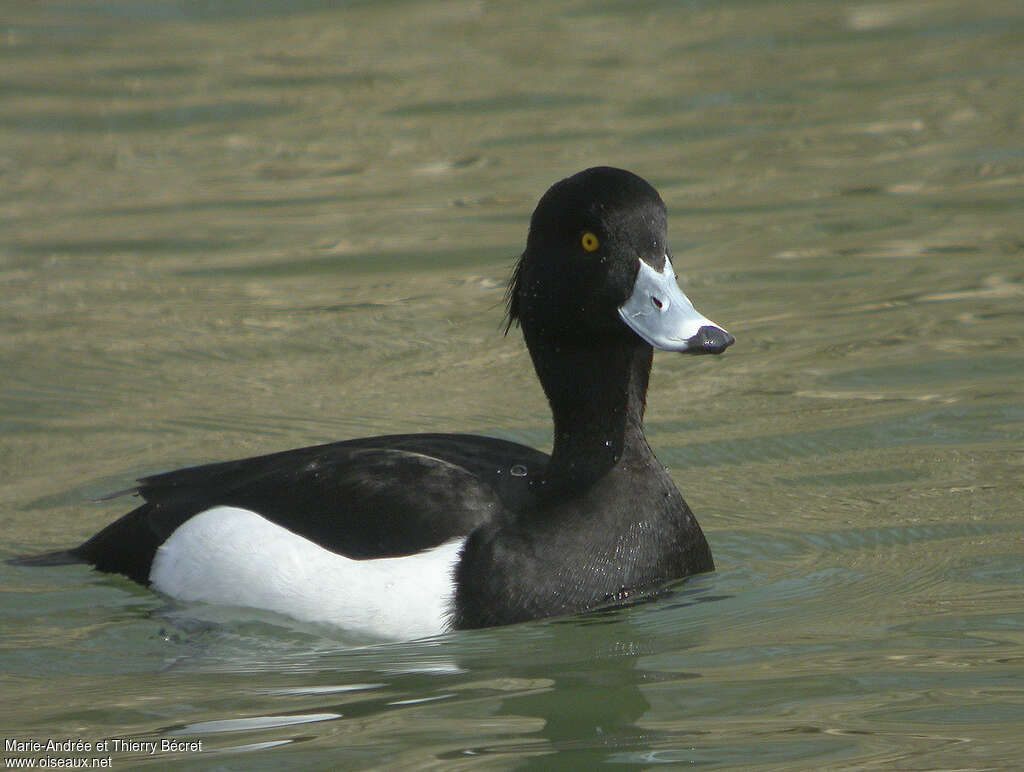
point(366, 498)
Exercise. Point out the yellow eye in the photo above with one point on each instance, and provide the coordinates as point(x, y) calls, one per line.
point(589, 242)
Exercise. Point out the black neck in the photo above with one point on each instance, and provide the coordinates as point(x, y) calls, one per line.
point(597, 391)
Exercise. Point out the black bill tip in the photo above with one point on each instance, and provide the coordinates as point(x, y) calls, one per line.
point(709, 340)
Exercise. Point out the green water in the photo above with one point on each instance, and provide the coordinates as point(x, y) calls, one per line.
point(230, 228)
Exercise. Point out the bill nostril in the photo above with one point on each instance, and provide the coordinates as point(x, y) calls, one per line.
point(657, 303)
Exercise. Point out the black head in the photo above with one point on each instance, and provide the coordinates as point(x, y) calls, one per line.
point(581, 253)
point(597, 265)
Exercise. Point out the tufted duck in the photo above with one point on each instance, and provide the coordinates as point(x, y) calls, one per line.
point(410, 535)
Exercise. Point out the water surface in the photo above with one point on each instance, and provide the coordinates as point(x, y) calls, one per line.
point(233, 228)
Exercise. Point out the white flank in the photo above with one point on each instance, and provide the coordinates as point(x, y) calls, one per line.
point(232, 556)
